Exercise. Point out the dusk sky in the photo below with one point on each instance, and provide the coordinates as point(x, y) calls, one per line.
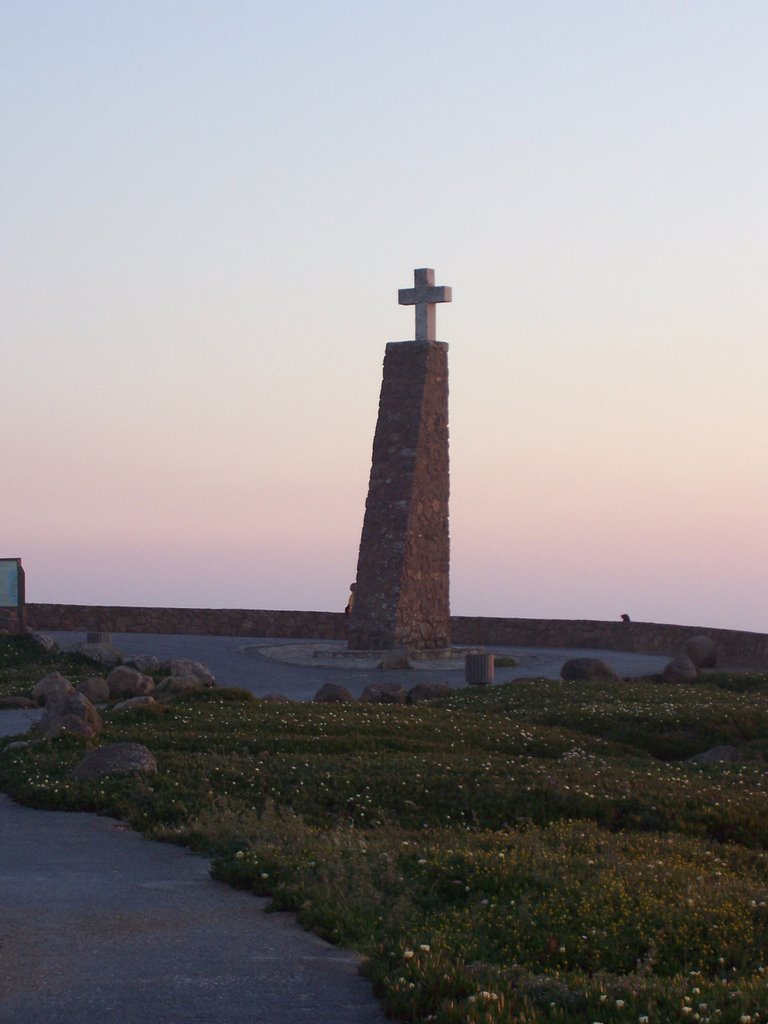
point(207, 211)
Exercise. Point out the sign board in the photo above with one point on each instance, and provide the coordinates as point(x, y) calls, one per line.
point(12, 587)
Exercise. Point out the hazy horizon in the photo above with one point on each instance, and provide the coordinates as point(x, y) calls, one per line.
point(208, 210)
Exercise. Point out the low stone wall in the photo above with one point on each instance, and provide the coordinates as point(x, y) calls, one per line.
point(735, 647)
point(189, 621)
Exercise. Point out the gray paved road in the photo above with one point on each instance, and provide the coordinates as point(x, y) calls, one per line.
point(263, 675)
point(97, 924)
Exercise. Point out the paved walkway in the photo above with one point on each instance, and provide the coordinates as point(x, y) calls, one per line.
point(256, 663)
point(97, 924)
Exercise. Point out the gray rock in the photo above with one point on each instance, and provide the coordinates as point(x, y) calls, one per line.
point(383, 693)
point(115, 759)
point(104, 655)
point(178, 684)
point(51, 684)
point(422, 693)
point(17, 703)
point(184, 667)
point(716, 755)
point(145, 663)
point(69, 714)
point(134, 702)
point(702, 651)
point(276, 698)
point(680, 670)
point(332, 693)
point(45, 643)
point(95, 688)
point(590, 670)
point(129, 682)
point(18, 745)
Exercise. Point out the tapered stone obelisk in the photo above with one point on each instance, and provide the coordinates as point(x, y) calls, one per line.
point(401, 597)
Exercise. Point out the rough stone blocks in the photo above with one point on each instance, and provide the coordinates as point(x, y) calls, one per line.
point(402, 593)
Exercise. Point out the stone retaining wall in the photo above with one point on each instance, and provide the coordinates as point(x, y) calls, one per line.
point(735, 647)
point(189, 621)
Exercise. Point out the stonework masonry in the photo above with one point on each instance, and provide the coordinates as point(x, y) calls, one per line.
point(735, 647)
point(402, 592)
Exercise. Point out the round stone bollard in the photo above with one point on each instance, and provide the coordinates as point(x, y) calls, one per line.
point(94, 637)
point(478, 669)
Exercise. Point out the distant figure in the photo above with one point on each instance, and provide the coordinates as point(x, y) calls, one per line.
point(351, 601)
point(625, 618)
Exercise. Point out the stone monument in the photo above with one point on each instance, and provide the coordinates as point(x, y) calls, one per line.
point(401, 597)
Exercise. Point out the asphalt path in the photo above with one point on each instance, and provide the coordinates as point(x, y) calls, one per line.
point(236, 661)
point(98, 924)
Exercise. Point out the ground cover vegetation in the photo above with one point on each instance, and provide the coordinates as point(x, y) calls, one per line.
point(535, 852)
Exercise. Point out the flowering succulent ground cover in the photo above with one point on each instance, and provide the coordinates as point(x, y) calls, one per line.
point(535, 852)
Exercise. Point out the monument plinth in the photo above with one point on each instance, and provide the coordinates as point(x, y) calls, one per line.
point(402, 592)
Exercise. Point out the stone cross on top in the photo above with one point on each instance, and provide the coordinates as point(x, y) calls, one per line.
point(424, 296)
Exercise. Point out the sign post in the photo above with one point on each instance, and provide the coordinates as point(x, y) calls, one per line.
point(12, 589)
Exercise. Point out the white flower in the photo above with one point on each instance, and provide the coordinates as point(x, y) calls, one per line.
point(407, 954)
point(424, 947)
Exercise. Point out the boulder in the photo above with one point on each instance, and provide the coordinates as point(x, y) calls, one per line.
point(129, 682)
point(115, 759)
point(104, 655)
point(134, 702)
point(589, 670)
point(332, 693)
point(680, 670)
point(95, 688)
point(69, 714)
point(145, 663)
point(16, 703)
point(51, 684)
point(383, 693)
point(45, 643)
point(702, 651)
point(421, 693)
point(717, 755)
point(183, 667)
point(276, 698)
point(178, 684)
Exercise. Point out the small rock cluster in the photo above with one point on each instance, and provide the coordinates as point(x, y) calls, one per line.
point(698, 652)
point(74, 710)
